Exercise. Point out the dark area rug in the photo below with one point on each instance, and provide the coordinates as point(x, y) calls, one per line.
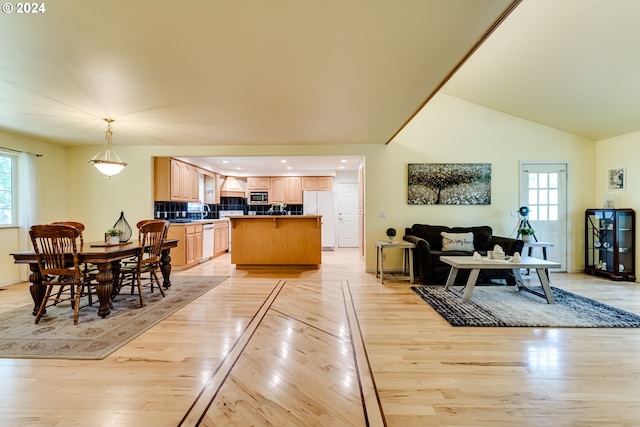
point(505, 306)
point(56, 337)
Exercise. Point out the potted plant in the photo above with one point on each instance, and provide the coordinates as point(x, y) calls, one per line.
point(112, 236)
point(391, 233)
point(526, 233)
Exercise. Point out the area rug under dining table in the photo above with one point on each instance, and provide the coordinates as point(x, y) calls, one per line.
point(505, 306)
point(56, 337)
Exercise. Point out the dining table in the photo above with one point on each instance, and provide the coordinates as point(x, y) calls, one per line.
point(106, 258)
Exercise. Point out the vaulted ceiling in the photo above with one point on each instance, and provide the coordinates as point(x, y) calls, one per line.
point(209, 72)
point(224, 72)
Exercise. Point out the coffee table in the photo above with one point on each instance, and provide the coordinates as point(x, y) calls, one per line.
point(475, 265)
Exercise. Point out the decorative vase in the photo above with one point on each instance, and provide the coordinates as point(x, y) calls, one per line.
point(122, 225)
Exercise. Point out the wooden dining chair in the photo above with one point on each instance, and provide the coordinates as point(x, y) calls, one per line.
point(56, 248)
point(88, 270)
point(152, 234)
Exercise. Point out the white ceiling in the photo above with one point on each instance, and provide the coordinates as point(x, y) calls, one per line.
point(278, 165)
point(225, 72)
point(220, 72)
point(570, 64)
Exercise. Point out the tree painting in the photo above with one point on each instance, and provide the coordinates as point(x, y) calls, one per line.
point(449, 184)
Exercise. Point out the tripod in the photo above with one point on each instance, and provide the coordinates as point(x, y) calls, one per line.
point(524, 223)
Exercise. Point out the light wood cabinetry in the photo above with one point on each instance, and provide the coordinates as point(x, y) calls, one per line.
point(258, 183)
point(278, 191)
point(189, 249)
point(283, 240)
point(211, 188)
point(293, 188)
point(221, 237)
point(175, 181)
point(286, 189)
point(317, 183)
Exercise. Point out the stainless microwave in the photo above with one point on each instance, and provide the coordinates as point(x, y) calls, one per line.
point(258, 197)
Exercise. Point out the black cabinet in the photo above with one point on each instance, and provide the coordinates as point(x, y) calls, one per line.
point(610, 243)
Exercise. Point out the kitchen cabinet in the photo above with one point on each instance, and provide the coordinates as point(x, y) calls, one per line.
point(258, 183)
point(189, 250)
point(221, 238)
point(211, 188)
point(293, 190)
point(278, 191)
point(287, 190)
point(175, 181)
point(610, 243)
point(317, 183)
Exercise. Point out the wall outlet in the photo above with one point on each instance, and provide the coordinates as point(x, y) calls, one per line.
point(514, 213)
point(382, 214)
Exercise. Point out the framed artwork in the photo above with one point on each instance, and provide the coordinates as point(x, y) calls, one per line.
point(616, 179)
point(449, 184)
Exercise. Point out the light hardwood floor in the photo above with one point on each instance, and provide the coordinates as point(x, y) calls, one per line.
point(334, 347)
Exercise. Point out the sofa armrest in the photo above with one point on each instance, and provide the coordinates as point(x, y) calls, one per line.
point(421, 256)
point(509, 245)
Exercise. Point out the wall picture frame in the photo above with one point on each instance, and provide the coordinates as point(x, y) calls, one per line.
point(616, 179)
point(449, 184)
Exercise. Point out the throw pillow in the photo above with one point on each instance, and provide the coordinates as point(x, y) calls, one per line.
point(457, 241)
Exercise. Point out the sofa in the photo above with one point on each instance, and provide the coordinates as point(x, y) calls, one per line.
point(431, 243)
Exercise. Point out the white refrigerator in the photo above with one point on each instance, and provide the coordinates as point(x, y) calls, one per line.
point(323, 203)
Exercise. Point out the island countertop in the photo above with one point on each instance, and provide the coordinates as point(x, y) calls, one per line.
point(276, 239)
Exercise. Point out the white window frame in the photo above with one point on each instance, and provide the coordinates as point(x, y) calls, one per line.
point(13, 221)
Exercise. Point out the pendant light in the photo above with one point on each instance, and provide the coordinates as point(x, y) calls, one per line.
point(107, 161)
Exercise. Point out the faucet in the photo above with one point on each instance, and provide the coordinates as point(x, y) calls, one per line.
point(205, 211)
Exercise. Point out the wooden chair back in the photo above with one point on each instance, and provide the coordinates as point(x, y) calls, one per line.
point(153, 234)
point(146, 221)
point(55, 245)
point(78, 225)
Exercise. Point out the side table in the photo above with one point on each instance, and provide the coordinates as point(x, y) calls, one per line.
point(407, 258)
point(530, 245)
point(543, 245)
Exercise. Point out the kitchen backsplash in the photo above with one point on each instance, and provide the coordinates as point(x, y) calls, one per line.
point(178, 210)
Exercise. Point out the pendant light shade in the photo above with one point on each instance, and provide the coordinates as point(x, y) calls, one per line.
point(107, 161)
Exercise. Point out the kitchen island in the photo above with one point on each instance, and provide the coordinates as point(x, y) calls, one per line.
point(276, 240)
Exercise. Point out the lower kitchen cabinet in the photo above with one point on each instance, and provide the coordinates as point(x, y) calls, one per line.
point(221, 239)
point(189, 250)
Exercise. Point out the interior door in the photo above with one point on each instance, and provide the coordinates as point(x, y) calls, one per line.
point(543, 189)
point(348, 227)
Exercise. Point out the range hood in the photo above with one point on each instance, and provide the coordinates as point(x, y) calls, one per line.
point(231, 187)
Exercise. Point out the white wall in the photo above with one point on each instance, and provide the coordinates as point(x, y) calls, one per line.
point(450, 130)
point(619, 152)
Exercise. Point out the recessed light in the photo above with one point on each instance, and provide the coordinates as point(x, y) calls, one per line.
point(289, 167)
point(341, 167)
point(343, 161)
point(225, 161)
point(283, 161)
point(238, 168)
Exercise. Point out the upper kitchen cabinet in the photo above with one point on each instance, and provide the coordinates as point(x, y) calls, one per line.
point(175, 181)
point(278, 191)
point(317, 183)
point(258, 183)
point(211, 188)
point(286, 190)
point(293, 190)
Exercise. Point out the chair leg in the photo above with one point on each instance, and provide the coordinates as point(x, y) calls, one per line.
point(76, 308)
point(137, 276)
point(155, 276)
point(44, 303)
point(58, 294)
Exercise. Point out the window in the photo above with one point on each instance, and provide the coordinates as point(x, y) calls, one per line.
point(8, 205)
point(543, 196)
